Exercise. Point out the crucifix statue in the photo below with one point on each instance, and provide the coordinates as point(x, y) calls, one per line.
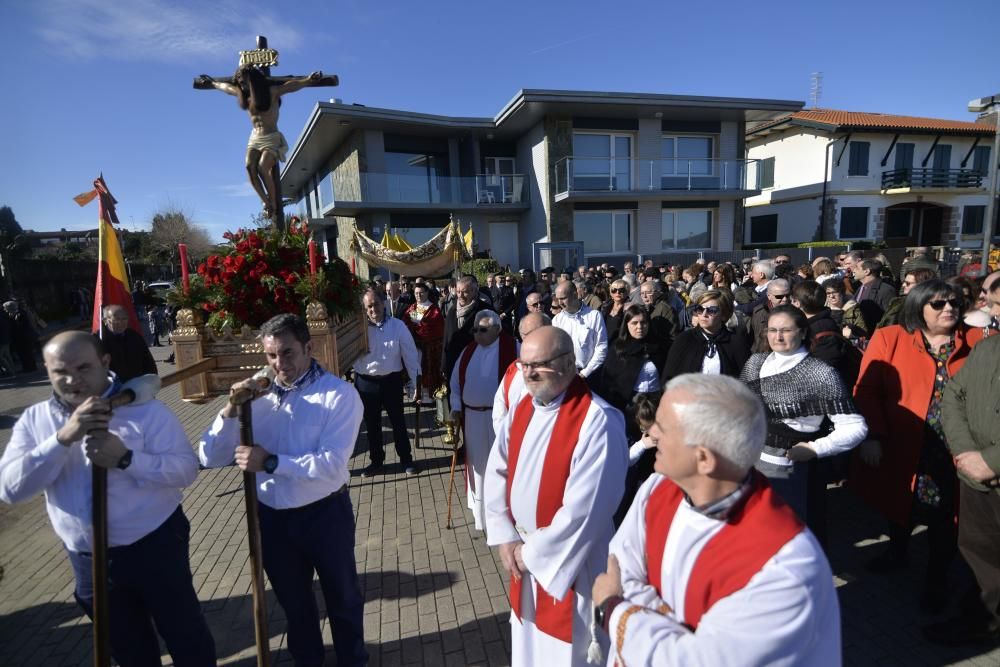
point(259, 94)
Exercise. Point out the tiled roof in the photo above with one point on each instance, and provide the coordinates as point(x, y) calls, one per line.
point(859, 120)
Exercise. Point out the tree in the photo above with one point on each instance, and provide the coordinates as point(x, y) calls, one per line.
point(9, 226)
point(173, 226)
point(11, 243)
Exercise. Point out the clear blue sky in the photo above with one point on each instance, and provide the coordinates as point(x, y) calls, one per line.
point(97, 85)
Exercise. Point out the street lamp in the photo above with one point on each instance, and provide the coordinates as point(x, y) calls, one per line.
point(981, 105)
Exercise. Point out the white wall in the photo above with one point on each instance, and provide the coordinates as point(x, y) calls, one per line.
point(533, 159)
point(798, 162)
point(798, 219)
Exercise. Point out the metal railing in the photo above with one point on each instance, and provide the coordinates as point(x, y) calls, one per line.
point(931, 178)
point(483, 189)
point(587, 174)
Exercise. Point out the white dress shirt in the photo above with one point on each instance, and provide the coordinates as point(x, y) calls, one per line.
point(590, 337)
point(140, 498)
point(390, 346)
point(312, 431)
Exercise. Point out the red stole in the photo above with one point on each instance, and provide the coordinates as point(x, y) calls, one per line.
point(508, 380)
point(553, 617)
point(751, 537)
point(507, 355)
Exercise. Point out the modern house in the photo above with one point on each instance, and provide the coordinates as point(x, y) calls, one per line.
point(603, 175)
point(843, 175)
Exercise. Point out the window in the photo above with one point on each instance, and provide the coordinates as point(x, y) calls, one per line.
point(981, 160)
point(904, 156)
point(942, 157)
point(603, 232)
point(972, 219)
point(602, 161)
point(416, 177)
point(764, 228)
point(326, 189)
point(858, 164)
point(767, 173)
point(686, 229)
point(854, 222)
point(683, 155)
point(898, 223)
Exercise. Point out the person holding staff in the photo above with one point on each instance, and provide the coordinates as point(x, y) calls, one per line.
point(306, 426)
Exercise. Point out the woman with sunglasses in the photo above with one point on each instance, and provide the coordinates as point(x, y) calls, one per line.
point(809, 411)
point(709, 346)
point(904, 469)
point(614, 308)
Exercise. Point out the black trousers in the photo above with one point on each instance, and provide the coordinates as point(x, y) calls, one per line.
point(384, 393)
point(979, 542)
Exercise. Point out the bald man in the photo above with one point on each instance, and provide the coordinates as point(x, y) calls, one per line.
point(511, 388)
point(130, 356)
point(149, 461)
point(585, 327)
point(554, 478)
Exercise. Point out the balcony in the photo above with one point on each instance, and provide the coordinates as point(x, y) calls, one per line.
point(430, 191)
point(931, 179)
point(595, 178)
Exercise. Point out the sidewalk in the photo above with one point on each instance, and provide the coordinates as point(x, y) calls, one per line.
point(433, 596)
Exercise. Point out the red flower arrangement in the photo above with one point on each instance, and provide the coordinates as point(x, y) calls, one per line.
point(265, 273)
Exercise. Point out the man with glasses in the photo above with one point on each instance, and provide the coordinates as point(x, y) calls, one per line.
point(761, 273)
point(662, 318)
point(778, 293)
point(473, 384)
point(585, 327)
point(130, 357)
point(553, 481)
point(511, 388)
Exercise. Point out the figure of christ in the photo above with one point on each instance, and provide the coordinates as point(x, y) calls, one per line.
point(261, 98)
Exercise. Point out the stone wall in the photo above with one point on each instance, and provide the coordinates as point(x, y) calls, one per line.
point(559, 145)
point(347, 165)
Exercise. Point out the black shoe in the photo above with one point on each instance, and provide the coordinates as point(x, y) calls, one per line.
point(962, 631)
point(410, 468)
point(372, 470)
point(888, 561)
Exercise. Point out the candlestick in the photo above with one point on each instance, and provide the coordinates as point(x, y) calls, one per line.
point(185, 277)
point(313, 258)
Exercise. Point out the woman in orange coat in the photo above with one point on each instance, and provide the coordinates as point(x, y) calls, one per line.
point(904, 469)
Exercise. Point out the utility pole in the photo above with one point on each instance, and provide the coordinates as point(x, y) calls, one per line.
point(981, 105)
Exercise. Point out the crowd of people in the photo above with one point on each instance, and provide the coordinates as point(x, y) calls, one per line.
point(649, 451)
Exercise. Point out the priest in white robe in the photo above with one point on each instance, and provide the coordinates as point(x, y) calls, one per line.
point(474, 381)
point(710, 566)
point(553, 481)
point(511, 388)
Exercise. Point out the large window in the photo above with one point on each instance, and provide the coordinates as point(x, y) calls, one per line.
point(683, 155)
point(972, 219)
point(602, 161)
point(764, 228)
point(416, 177)
point(898, 223)
point(854, 222)
point(325, 189)
point(858, 165)
point(603, 232)
point(686, 229)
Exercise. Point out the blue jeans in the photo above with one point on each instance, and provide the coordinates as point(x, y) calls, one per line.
point(149, 582)
point(316, 539)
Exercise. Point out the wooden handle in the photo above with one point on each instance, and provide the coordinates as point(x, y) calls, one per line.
point(253, 542)
point(99, 559)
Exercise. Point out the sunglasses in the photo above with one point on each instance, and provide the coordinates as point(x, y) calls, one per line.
point(780, 297)
point(476, 330)
point(707, 310)
point(619, 290)
point(534, 305)
point(939, 304)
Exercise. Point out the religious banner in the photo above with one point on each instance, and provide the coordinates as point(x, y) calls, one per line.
point(437, 257)
point(112, 280)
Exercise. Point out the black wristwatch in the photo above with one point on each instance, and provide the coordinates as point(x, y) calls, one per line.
point(125, 461)
point(602, 612)
point(270, 464)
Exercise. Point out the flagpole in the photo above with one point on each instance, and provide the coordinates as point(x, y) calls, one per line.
point(99, 503)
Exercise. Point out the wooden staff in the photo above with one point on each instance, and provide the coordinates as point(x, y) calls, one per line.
point(451, 478)
point(253, 540)
point(99, 561)
point(416, 416)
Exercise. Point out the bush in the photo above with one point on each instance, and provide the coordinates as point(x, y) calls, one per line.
point(480, 268)
point(806, 244)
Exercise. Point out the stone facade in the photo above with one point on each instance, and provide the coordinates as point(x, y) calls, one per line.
point(829, 230)
point(559, 145)
point(347, 165)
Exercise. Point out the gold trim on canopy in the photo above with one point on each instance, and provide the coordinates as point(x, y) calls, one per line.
point(438, 257)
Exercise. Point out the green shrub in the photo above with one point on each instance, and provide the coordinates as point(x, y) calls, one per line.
point(480, 268)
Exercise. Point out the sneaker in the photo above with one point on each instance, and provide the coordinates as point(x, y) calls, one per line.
point(372, 470)
point(410, 469)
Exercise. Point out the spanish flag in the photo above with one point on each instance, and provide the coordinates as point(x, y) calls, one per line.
point(112, 279)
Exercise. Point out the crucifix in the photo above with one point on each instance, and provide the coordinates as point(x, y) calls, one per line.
point(259, 94)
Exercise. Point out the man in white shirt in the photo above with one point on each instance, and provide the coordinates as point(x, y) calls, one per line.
point(379, 380)
point(306, 426)
point(554, 478)
point(149, 462)
point(585, 327)
point(710, 566)
point(473, 383)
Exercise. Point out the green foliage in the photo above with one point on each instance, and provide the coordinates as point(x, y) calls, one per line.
point(480, 268)
point(9, 226)
point(807, 244)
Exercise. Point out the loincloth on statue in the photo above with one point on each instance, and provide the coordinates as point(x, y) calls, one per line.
point(273, 142)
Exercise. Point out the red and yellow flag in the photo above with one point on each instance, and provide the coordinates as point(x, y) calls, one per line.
point(112, 279)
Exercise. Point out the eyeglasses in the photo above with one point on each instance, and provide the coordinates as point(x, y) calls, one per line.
point(707, 310)
point(833, 292)
point(538, 365)
point(939, 304)
point(479, 330)
point(537, 304)
point(779, 297)
point(783, 332)
point(619, 290)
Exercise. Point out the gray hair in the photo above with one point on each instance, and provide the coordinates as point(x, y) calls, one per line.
point(721, 414)
point(765, 266)
point(629, 279)
point(652, 284)
point(487, 314)
point(776, 284)
point(584, 285)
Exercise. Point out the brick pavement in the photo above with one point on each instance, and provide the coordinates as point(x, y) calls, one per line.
point(433, 596)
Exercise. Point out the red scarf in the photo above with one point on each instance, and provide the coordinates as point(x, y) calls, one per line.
point(751, 537)
point(553, 617)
